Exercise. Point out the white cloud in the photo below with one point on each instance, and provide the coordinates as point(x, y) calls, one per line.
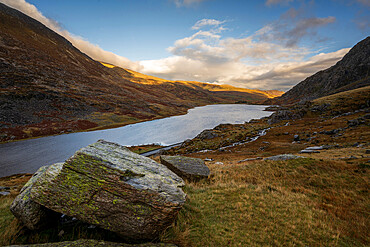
point(247, 62)
point(206, 22)
point(91, 50)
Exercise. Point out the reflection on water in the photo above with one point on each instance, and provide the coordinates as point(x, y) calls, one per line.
point(29, 155)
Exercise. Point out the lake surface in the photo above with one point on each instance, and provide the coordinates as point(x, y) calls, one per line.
point(27, 156)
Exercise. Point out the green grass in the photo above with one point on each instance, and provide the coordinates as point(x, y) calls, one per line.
point(301, 202)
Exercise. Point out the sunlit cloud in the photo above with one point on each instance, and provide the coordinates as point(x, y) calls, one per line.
point(91, 50)
point(255, 61)
point(264, 59)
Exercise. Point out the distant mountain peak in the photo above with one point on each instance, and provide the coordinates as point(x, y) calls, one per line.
point(353, 71)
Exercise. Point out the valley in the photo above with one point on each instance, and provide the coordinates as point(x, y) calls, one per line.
point(296, 174)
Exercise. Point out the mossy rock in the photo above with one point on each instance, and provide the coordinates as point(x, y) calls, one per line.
point(107, 185)
point(30, 213)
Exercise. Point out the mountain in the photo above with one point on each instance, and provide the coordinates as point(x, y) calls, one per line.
point(50, 87)
point(353, 71)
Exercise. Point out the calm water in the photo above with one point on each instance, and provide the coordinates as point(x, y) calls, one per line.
point(27, 156)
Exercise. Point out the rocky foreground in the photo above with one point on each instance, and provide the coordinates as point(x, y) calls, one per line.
point(107, 186)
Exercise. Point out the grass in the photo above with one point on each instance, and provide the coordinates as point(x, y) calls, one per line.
point(303, 202)
point(144, 148)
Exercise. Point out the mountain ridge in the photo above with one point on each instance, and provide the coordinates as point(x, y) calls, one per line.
point(50, 87)
point(351, 72)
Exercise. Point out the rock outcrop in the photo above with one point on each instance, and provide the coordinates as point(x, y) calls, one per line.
point(30, 213)
point(107, 185)
point(186, 167)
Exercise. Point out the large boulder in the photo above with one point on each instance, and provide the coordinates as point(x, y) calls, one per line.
point(30, 213)
point(186, 167)
point(107, 185)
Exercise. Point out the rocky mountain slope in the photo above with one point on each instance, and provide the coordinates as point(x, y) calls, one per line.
point(353, 71)
point(49, 87)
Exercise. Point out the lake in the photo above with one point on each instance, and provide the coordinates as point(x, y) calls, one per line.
point(27, 156)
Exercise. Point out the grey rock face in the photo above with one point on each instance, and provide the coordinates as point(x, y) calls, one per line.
point(107, 185)
point(186, 167)
point(207, 134)
point(283, 157)
point(30, 213)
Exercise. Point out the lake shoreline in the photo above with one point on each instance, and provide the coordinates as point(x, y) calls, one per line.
point(27, 155)
point(119, 125)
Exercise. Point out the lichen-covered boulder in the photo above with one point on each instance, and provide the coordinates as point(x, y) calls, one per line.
point(30, 213)
point(186, 167)
point(107, 185)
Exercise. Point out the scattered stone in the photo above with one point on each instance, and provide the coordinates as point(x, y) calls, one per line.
point(296, 138)
point(329, 132)
point(315, 148)
point(266, 142)
point(4, 188)
point(186, 167)
point(30, 213)
point(305, 151)
point(4, 193)
point(283, 157)
point(250, 159)
point(107, 185)
point(207, 134)
point(219, 163)
point(286, 133)
point(93, 243)
point(207, 159)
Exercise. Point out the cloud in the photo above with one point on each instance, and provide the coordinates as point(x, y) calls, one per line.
point(265, 59)
point(206, 22)
point(187, 3)
point(274, 2)
point(91, 50)
point(245, 62)
point(292, 27)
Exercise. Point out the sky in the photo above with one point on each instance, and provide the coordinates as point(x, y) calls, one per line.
point(258, 44)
